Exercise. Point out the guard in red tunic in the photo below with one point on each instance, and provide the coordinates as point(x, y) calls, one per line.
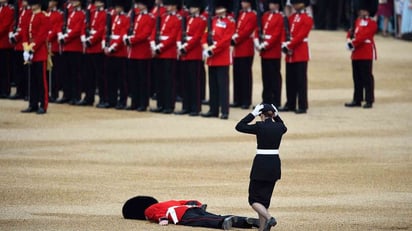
point(243, 53)
point(164, 47)
point(182, 212)
point(219, 59)
point(140, 54)
point(269, 47)
point(35, 55)
point(363, 49)
point(116, 51)
point(72, 48)
point(190, 52)
point(56, 24)
point(16, 37)
point(297, 57)
point(6, 48)
point(92, 38)
point(157, 11)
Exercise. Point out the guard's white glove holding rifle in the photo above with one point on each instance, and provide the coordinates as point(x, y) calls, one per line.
point(276, 110)
point(257, 110)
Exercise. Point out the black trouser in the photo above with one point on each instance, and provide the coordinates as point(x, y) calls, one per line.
point(166, 96)
point(219, 89)
point(242, 80)
point(191, 76)
point(20, 73)
point(56, 75)
point(363, 79)
point(116, 81)
point(198, 217)
point(202, 81)
point(139, 81)
point(38, 85)
point(272, 81)
point(93, 70)
point(102, 81)
point(154, 79)
point(5, 72)
point(297, 85)
point(71, 69)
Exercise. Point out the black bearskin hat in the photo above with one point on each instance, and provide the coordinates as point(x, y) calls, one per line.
point(369, 5)
point(227, 4)
point(43, 3)
point(194, 3)
point(148, 3)
point(134, 207)
point(126, 4)
point(171, 2)
point(275, 2)
point(306, 2)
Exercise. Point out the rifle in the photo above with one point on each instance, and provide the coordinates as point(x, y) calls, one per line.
point(64, 27)
point(259, 21)
point(16, 16)
point(108, 25)
point(87, 21)
point(132, 18)
point(236, 5)
point(158, 21)
point(286, 25)
point(209, 22)
point(184, 34)
point(352, 19)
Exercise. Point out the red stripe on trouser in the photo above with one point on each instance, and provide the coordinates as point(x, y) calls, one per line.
point(45, 86)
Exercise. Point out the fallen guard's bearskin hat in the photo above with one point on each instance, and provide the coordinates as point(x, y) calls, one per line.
point(306, 2)
point(134, 207)
point(369, 5)
point(148, 3)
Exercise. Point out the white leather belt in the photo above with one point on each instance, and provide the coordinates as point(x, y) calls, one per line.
point(115, 36)
point(267, 151)
point(368, 41)
point(162, 38)
point(267, 36)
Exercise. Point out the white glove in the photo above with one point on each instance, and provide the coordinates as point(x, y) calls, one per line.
point(153, 46)
point(276, 110)
point(349, 45)
point(27, 57)
point(83, 38)
point(206, 54)
point(257, 110)
point(60, 37)
point(11, 35)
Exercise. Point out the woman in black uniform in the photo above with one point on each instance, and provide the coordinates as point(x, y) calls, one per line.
point(266, 165)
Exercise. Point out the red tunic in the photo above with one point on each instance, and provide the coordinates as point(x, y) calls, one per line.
point(56, 24)
point(300, 25)
point(246, 25)
point(97, 29)
point(75, 27)
point(173, 210)
point(120, 26)
point(195, 28)
point(6, 24)
point(363, 42)
point(170, 27)
point(161, 12)
point(140, 39)
point(222, 30)
point(37, 33)
point(273, 34)
point(22, 27)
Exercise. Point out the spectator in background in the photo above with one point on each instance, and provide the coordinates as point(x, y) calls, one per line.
point(398, 17)
point(327, 14)
point(406, 28)
point(385, 9)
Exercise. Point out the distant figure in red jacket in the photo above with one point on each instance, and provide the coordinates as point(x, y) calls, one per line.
point(296, 49)
point(362, 45)
point(182, 212)
point(35, 55)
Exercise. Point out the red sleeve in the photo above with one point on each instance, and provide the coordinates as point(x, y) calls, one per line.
point(198, 36)
point(6, 21)
point(171, 40)
point(364, 33)
point(248, 29)
point(144, 32)
point(100, 29)
point(302, 33)
point(277, 35)
point(44, 31)
point(56, 24)
point(77, 28)
point(225, 41)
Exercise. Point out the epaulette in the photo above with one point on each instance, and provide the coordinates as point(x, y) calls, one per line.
point(231, 18)
point(179, 16)
point(47, 14)
point(203, 17)
point(151, 15)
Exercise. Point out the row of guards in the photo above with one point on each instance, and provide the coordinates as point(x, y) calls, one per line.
point(144, 48)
